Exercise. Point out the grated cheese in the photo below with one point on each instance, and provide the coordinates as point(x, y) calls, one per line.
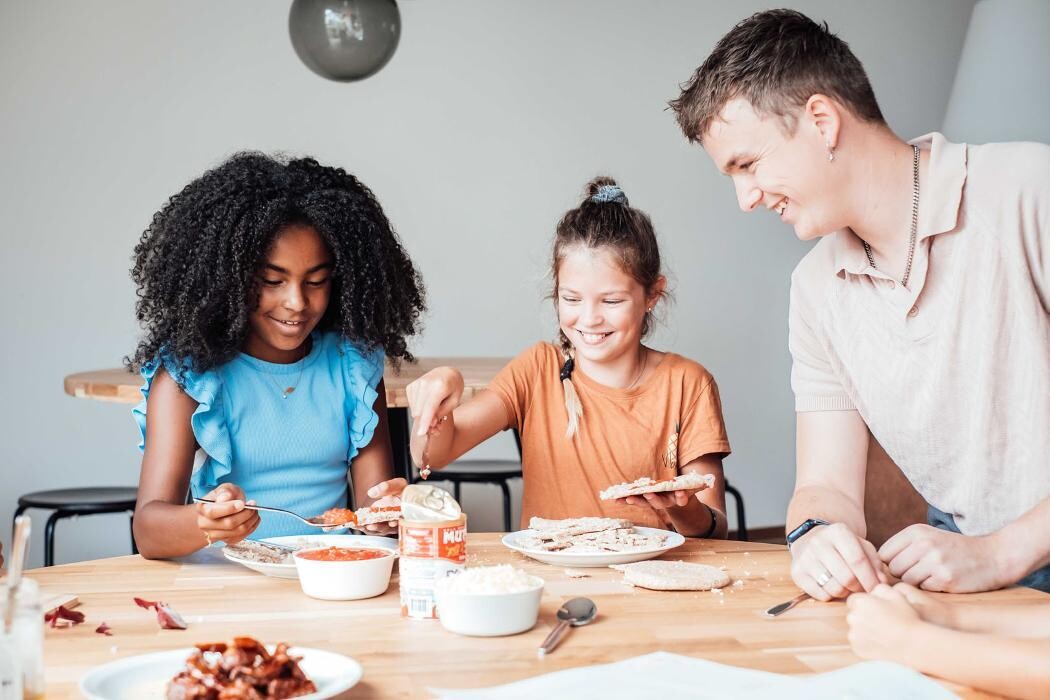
point(502, 578)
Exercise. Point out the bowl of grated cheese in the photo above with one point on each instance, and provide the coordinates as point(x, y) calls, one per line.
point(489, 601)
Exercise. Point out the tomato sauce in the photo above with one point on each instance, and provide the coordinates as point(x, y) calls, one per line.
point(343, 554)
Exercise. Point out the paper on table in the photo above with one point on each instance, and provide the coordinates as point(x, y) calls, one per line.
point(662, 674)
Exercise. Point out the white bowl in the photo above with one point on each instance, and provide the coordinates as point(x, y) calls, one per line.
point(489, 614)
point(344, 580)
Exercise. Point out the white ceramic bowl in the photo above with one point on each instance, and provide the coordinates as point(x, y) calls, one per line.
point(489, 614)
point(344, 580)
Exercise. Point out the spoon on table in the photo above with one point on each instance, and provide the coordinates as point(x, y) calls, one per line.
point(315, 521)
point(573, 613)
point(784, 607)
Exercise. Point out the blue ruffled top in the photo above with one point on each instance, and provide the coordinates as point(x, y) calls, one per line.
point(292, 452)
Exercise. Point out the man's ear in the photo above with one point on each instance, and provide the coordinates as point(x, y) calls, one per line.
point(825, 115)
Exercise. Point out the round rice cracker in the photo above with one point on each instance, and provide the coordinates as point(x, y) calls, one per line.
point(661, 575)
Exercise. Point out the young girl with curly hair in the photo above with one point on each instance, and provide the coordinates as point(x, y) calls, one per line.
point(269, 291)
point(599, 408)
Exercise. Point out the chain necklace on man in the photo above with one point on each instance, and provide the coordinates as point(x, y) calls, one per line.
point(286, 391)
point(914, 219)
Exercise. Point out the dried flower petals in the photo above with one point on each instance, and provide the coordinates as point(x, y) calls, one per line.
point(63, 613)
point(167, 618)
point(104, 629)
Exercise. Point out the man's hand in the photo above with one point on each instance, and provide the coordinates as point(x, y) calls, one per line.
point(830, 562)
point(938, 560)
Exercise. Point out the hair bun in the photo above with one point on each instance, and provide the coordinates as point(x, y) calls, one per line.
point(609, 193)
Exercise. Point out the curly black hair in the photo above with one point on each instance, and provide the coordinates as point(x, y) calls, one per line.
point(196, 264)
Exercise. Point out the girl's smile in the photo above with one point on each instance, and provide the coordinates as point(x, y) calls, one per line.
point(601, 310)
point(294, 286)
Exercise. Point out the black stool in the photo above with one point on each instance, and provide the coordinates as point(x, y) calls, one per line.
point(741, 522)
point(70, 502)
point(482, 471)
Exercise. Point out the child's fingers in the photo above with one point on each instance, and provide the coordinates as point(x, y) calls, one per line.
point(217, 511)
point(390, 487)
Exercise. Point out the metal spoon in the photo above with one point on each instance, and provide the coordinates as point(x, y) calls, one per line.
point(313, 522)
point(784, 607)
point(19, 547)
point(574, 613)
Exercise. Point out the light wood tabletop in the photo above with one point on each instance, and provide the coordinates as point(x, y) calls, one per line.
point(120, 386)
point(402, 658)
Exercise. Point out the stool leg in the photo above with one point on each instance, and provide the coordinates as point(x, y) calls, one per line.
point(741, 521)
point(131, 527)
point(49, 537)
point(457, 492)
point(506, 504)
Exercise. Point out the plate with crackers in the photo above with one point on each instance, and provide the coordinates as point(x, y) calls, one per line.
point(590, 541)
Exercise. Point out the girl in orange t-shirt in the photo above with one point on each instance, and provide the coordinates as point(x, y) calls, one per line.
point(600, 408)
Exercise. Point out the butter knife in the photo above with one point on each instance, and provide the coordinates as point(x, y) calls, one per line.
point(784, 607)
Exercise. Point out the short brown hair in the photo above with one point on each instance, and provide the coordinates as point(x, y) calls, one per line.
point(776, 60)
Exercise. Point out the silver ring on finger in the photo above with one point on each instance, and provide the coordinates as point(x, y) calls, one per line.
point(824, 578)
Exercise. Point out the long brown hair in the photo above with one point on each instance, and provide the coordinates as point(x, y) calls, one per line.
point(604, 220)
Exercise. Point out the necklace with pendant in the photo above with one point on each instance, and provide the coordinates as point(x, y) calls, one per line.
point(285, 392)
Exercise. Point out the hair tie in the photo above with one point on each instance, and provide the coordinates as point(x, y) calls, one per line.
point(609, 193)
point(566, 369)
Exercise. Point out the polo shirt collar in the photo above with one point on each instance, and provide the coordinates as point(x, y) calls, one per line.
point(941, 200)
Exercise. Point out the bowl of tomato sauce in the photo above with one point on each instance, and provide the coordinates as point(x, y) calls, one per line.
point(344, 573)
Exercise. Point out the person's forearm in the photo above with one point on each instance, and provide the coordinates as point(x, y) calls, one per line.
point(1019, 620)
point(823, 503)
point(164, 530)
point(1013, 667)
point(694, 520)
point(1024, 544)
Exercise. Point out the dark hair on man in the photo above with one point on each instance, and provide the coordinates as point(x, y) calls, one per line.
point(196, 264)
point(604, 220)
point(776, 60)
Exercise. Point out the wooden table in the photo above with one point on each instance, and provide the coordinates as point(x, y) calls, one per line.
point(401, 658)
point(120, 386)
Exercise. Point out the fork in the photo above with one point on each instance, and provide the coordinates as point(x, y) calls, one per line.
point(312, 522)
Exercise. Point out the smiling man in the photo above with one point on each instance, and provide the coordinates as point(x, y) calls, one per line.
point(922, 315)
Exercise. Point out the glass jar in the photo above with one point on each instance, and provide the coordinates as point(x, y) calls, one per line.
point(23, 644)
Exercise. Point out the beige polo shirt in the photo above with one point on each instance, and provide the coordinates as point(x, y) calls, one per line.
point(951, 376)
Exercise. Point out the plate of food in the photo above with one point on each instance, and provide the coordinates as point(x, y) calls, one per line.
point(592, 541)
point(242, 667)
point(273, 556)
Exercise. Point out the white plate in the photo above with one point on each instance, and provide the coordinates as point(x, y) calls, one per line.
point(586, 559)
point(146, 676)
point(288, 570)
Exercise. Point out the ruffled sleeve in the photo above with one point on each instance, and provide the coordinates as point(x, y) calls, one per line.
point(208, 421)
point(362, 372)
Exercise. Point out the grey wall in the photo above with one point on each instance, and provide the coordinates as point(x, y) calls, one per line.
point(476, 137)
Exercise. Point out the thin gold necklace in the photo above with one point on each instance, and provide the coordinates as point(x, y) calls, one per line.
point(286, 391)
point(645, 363)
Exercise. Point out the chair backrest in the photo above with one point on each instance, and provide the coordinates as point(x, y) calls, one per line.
point(891, 503)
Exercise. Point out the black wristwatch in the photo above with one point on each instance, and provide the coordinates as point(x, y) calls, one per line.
point(803, 529)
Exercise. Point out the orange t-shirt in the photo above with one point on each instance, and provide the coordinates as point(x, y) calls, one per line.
point(652, 429)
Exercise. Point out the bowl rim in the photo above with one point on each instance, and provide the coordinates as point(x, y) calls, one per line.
point(387, 553)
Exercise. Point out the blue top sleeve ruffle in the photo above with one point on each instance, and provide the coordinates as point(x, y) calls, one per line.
point(208, 420)
point(362, 372)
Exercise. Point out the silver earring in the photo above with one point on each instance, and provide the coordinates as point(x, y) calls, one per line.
point(831, 153)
